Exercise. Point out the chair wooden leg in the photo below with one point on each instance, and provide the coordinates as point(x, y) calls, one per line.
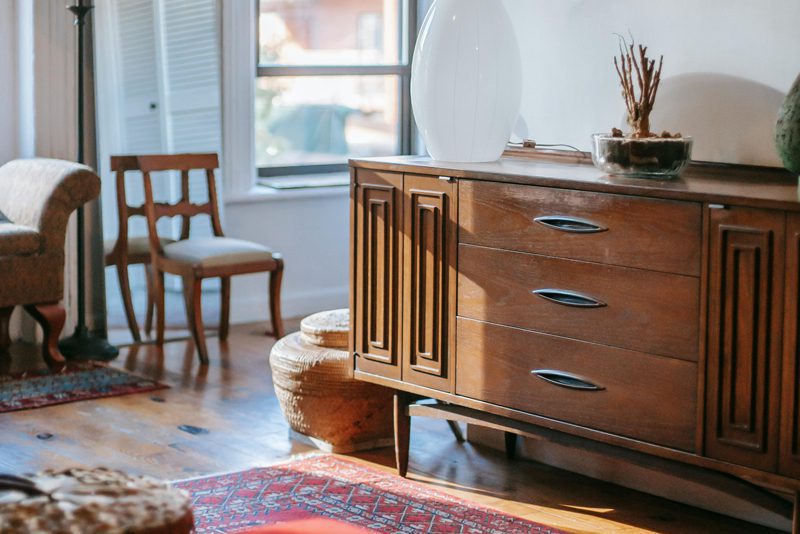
point(148, 318)
point(5, 334)
point(51, 317)
point(225, 308)
point(192, 296)
point(158, 297)
point(127, 301)
point(275, 279)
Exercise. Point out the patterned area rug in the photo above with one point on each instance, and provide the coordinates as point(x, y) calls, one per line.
point(76, 382)
point(326, 486)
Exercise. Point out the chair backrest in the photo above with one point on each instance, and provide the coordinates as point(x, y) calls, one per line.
point(184, 208)
point(120, 165)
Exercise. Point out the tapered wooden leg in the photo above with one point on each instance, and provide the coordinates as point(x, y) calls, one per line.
point(275, 279)
point(148, 318)
point(192, 296)
point(158, 297)
point(402, 431)
point(511, 445)
point(51, 317)
point(225, 308)
point(796, 514)
point(127, 301)
point(5, 334)
point(456, 430)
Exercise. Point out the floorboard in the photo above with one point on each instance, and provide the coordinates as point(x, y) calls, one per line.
point(241, 426)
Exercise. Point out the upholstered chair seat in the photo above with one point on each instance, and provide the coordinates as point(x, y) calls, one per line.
point(37, 197)
point(216, 251)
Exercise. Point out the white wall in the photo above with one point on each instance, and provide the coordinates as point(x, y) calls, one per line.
point(727, 65)
point(310, 229)
point(9, 141)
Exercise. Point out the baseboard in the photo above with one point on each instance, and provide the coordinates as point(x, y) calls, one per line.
point(251, 308)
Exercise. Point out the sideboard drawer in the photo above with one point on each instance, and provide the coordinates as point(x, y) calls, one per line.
point(640, 396)
point(636, 309)
point(660, 235)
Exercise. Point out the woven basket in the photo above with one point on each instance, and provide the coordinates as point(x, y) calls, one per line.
point(322, 402)
point(327, 329)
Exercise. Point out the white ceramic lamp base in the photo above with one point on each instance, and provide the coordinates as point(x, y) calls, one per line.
point(466, 80)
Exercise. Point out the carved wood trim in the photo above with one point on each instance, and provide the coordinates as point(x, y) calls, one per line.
point(429, 249)
point(377, 277)
point(745, 311)
point(789, 462)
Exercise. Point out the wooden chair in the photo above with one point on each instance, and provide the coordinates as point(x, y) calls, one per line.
point(125, 251)
point(194, 259)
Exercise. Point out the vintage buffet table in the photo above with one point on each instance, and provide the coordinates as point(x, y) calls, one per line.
point(539, 296)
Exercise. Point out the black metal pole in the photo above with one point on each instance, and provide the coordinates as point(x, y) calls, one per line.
point(83, 345)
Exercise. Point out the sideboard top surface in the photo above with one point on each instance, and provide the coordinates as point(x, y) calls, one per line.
point(713, 183)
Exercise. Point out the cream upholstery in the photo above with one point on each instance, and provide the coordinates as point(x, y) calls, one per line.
point(18, 240)
point(136, 245)
point(216, 251)
point(37, 197)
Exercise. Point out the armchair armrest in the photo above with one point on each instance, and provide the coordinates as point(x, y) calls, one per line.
point(42, 193)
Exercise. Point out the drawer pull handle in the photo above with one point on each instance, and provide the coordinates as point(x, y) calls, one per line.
point(572, 225)
point(569, 298)
point(566, 380)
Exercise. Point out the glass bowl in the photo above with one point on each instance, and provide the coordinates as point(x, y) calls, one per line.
point(652, 157)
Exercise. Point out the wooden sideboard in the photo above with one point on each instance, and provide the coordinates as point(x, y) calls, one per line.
point(658, 317)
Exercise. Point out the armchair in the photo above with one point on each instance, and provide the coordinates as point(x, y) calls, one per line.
point(37, 197)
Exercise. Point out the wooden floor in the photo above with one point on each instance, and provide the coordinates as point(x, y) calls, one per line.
point(240, 425)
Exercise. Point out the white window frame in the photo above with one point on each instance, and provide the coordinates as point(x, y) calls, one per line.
point(239, 21)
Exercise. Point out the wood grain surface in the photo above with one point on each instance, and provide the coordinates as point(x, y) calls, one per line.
point(641, 310)
point(657, 395)
point(650, 234)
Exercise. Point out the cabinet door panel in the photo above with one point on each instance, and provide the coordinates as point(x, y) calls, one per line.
point(789, 463)
point(744, 342)
point(429, 256)
point(377, 256)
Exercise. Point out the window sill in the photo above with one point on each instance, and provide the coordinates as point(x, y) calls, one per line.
point(264, 193)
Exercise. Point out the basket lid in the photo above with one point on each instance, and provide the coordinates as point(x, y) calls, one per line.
point(327, 329)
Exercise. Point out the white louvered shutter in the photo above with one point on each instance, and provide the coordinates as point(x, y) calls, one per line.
point(169, 59)
point(191, 52)
point(142, 120)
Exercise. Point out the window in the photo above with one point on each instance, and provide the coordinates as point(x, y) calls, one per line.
point(332, 82)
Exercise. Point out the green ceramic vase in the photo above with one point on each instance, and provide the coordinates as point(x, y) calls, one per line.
point(787, 131)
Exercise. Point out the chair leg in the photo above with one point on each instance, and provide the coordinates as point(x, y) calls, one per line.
point(5, 334)
point(51, 317)
point(225, 308)
point(275, 279)
point(192, 296)
point(158, 297)
point(127, 301)
point(148, 318)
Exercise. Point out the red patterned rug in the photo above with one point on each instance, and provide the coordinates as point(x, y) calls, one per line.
point(326, 486)
point(76, 382)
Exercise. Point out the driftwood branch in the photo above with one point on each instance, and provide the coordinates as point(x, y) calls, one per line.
point(640, 78)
